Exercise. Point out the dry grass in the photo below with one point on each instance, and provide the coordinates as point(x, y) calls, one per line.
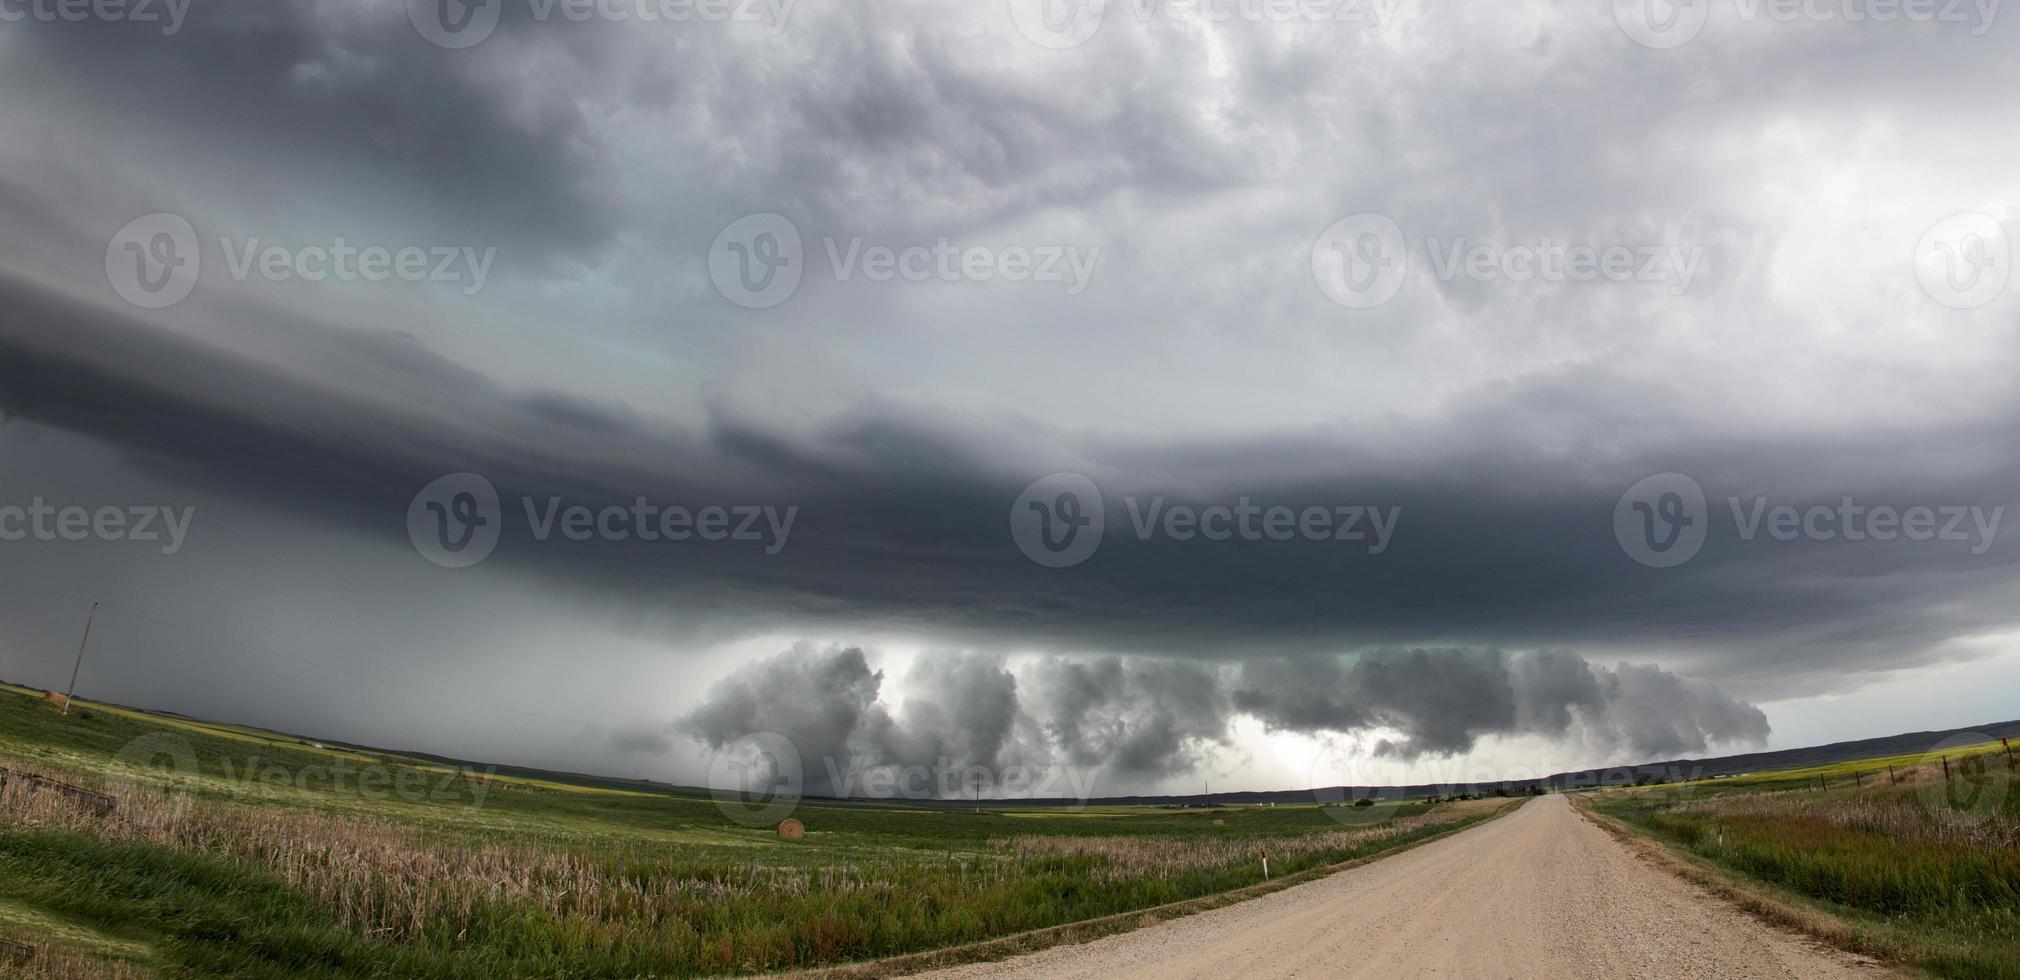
point(1922, 868)
point(1898, 809)
point(1754, 899)
point(584, 882)
point(1458, 817)
point(1136, 858)
point(400, 884)
point(57, 963)
point(390, 882)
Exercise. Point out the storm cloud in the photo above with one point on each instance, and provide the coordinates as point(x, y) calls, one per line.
point(1137, 720)
point(1204, 368)
point(1490, 548)
point(1445, 701)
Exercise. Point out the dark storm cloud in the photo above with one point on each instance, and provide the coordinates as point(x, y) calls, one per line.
point(960, 710)
point(1503, 419)
point(960, 707)
point(1445, 701)
point(330, 90)
point(901, 523)
point(1138, 716)
point(1140, 719)
point(820, 700)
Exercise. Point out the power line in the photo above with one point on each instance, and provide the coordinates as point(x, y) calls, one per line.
point(71, 693)
point(264, 651)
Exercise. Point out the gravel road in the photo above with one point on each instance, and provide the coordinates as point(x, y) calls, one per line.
point(1538, 893)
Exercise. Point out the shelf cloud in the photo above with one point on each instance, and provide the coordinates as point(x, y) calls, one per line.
point(1139, 719)
point(1646, 418)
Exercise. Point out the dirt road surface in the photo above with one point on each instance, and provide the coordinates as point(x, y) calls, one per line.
point(1538, 893)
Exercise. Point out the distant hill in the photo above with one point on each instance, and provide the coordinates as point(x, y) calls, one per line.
point(1673, 770)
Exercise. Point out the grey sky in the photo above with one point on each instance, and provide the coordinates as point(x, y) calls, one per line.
point(1785, 332)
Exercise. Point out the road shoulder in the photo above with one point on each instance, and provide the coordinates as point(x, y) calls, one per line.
point(1757, 900)
point(1088, 930)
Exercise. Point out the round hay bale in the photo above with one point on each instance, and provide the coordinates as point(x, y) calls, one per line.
point(790, 829)
point(1219, 822)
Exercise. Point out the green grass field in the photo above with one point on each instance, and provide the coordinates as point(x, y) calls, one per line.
point(1921, 867)
point(266, 855)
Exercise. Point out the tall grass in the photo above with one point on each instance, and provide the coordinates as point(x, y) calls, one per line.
point(1127, 858)
point(1928, 862)
point(442, 903)
point(59, 963)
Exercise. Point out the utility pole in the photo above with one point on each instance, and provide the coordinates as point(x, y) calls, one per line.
point(74, 668)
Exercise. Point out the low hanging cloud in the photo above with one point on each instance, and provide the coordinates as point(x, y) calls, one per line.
point(824, 701)
point(1142, 719)
point(962, 707)
point(1442, 702)
point(1135, 715)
